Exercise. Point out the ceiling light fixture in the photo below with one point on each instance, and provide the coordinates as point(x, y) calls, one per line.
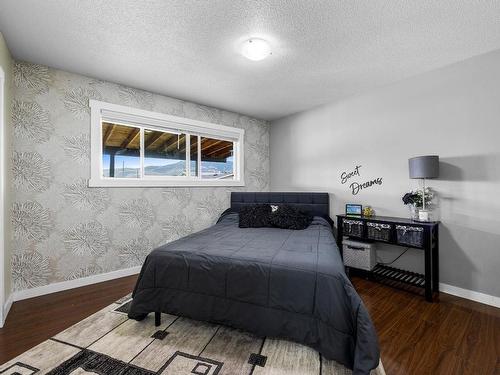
point(256, 49)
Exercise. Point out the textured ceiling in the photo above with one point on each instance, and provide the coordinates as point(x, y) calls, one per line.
point(322, 50)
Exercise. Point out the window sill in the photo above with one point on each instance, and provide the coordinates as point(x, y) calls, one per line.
point(161, 183)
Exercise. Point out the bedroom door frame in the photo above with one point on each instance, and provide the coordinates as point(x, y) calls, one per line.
point(2, 197)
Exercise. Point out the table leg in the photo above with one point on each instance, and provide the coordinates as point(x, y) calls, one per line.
point(435, 260)
point(428, 268)
point(339, 236)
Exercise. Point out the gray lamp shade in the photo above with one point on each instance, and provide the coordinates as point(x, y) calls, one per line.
point(424, 166)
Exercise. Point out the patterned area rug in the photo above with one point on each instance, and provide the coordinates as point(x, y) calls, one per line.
point(109, 343)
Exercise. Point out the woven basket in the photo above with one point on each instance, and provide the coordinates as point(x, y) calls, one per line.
point(410, 235)
point(353, 228)
point(378, 231)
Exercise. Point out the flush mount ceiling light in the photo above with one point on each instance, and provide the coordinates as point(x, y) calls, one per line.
point(256, 49)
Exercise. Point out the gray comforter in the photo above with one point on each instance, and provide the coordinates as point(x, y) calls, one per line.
point(272, 282)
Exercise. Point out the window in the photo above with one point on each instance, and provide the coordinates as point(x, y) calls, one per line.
point(120, 151)
point(132, 147)
point(216, 159)
point(164, 153)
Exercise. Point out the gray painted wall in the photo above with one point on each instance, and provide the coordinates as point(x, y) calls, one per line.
point(453, 112)
point(64, 230)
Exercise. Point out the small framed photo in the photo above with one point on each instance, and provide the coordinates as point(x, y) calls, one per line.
point(353, 209)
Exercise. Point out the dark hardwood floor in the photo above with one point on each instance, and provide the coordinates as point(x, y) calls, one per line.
point(454, 336)
point(34, 320)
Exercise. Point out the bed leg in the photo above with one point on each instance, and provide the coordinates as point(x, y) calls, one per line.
point(157, 319)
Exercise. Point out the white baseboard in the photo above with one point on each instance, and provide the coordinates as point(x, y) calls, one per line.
point(4, 311)
point(470, 294)
point(71, 284)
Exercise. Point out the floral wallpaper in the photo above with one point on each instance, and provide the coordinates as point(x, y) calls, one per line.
point(64, 230)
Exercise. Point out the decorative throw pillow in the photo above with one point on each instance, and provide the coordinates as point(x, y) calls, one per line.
point(288, 217)
point(255, 216)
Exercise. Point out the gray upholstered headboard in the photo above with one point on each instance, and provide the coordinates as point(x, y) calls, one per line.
point(317, 204)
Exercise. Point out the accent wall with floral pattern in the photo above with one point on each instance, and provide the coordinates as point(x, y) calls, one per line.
point(64, 230)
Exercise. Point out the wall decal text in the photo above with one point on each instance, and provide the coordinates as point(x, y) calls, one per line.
point(356, 187)
point(345, 176)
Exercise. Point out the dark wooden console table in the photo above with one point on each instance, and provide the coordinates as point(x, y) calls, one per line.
point(401, 232)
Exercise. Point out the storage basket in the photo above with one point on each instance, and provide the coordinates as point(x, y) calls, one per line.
point(410, 235)
point(378, 231)
point(353, 228)
point(359, 254)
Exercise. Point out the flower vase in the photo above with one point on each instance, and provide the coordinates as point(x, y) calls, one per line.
point(413, 212)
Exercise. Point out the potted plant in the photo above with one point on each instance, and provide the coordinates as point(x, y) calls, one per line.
point(414, 200)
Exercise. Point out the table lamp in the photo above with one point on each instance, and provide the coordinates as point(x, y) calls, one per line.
point(423, 167)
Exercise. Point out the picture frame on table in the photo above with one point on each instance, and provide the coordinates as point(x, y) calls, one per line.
point(352, 209)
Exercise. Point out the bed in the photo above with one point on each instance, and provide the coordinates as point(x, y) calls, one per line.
point(269, 281)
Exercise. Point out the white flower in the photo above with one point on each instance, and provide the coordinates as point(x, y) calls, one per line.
point(77, 101)
point(30, 121)
point(31, 171)
point(137, 212)
point(29, 270)
point(87, 238)
point(257, 131)
point(134, 252)
point(31, 221)
point(177, 227)
point(260, 177)
point(207, 114)
point(212, 205)
point(261, 151)
point(78, 148)
point(83, 272)
point(182, 195)
point(35, 78)
point(82, 197)
point(131, 96)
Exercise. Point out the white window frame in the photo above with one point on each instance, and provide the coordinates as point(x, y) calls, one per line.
point(142, 119)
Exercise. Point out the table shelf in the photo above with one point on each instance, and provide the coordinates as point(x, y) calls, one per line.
point(382, 271)
point(427, 240)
